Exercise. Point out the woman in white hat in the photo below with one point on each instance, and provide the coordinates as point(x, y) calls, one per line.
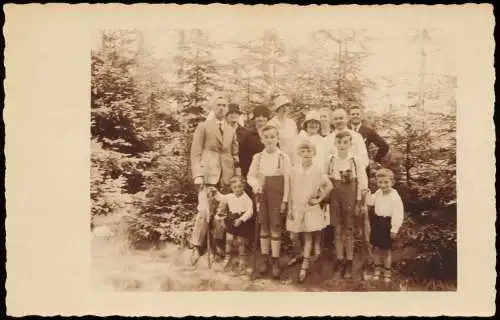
point(311, 130)
point(287, 127)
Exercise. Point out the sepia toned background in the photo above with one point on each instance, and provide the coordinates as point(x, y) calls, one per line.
point(62, 198)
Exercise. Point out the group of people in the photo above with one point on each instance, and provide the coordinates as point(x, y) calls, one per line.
point(271, 177)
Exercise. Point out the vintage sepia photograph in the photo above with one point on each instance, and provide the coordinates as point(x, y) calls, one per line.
point(271, 160)
point(218, 160)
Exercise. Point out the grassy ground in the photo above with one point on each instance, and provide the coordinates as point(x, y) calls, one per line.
point(117, 267)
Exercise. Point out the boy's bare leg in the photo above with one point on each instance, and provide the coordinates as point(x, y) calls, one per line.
point(229, 247)
point(387, 256)
point(242, 259)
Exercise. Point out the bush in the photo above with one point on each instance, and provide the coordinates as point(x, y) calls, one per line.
point(166, 210)
point(435, 239)
point(107, 185)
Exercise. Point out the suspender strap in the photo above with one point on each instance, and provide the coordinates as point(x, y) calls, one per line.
point(280, 161)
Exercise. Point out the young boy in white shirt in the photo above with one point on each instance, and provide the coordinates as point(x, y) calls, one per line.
point(386, 214)
point(269, 177)
point(239, 211)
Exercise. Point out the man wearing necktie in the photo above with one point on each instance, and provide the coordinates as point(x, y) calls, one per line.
point(370, 136)
point(214, 160)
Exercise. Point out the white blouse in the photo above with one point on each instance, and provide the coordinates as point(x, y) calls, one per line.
point(388, 205)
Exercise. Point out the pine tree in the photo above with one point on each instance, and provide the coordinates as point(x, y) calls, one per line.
point(197, 73)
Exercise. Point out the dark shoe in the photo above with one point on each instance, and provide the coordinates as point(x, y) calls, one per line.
point(347, 272)
point(294, 260)
point(276, 271)
point(338, 267)
point(264, 265)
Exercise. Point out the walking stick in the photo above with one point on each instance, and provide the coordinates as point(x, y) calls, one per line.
point(256, 233)
point(209, 228)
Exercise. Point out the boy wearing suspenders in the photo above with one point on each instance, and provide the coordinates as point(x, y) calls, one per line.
point(348, 176)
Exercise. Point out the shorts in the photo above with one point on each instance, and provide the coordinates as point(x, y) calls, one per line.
point(342, 205)
point(380, 236)
point(244, 230)
point(269, 215)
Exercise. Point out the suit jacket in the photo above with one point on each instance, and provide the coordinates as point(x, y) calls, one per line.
point(249, 145)
point(371, 136)
point(213, 156)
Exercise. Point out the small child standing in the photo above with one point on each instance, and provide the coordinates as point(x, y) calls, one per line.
point(269, 177)
point(308, 187)
point(238, 229)
point(311, 129)
point(348, 176)
point(386, 215)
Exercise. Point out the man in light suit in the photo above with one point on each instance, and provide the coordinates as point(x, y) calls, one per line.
point(214, 160)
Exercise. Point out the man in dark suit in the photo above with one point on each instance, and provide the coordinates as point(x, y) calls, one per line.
point(369, 135)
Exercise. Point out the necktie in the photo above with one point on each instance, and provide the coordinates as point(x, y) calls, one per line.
point(220, 129)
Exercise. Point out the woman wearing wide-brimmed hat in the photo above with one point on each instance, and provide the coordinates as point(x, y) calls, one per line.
point(311, 130)
point(287, 127)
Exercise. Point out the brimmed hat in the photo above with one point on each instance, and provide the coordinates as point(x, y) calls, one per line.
point(279, 102)
point(312, 115)
point(233, 108)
